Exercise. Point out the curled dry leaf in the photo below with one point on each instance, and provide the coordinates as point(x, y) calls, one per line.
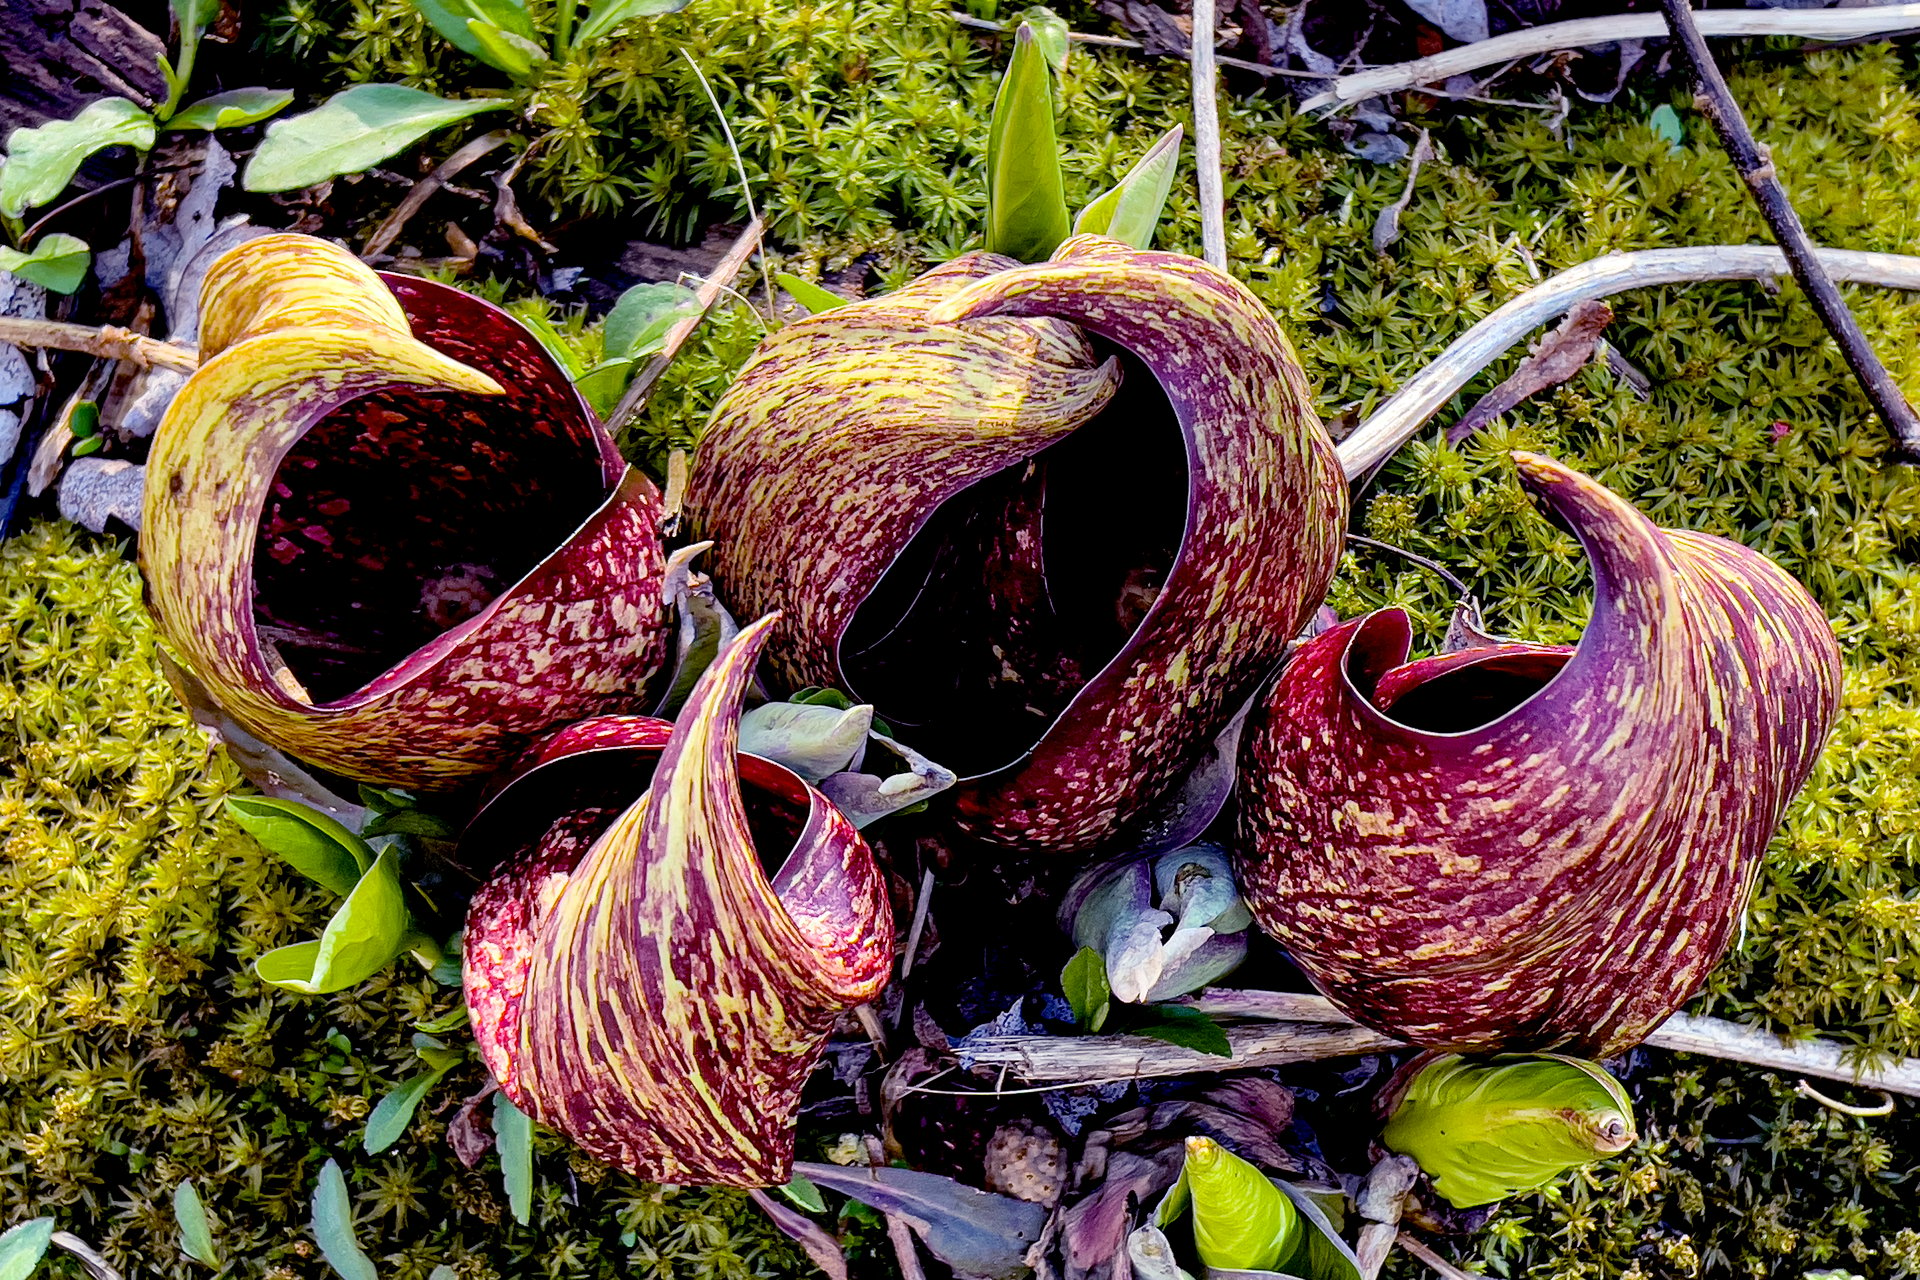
point(1058, 586)
point(1529, 846)
point(383, 530)
point(637, 978)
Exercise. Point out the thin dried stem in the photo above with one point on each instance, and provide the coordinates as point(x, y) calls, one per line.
point(1819, 24)
point(1302, 1028)
point(108, 342)
point(1206, 136)
point(389, 231)
point(1433, 1261)
point(716, 283)
point(1755, 166)
point(1405, 412)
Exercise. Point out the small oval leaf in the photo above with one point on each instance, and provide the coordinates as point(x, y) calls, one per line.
point(41, 161)
point(58, 262)
point(232, 109)
point(513, 1139)
point(309, 841)
point(22, 1247)
point(351, 131)
point(333, 1227)
point(196, 1235)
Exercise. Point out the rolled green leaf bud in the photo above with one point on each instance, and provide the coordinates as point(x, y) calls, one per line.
point(1485, 1130)
point(1241, 1221)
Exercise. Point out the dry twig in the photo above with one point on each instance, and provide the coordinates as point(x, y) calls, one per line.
point(396, 222)
point(1829, 24)
point(1407, 410)
point(1755, 167)
point(1304, 1028)
point(1206, 136)
point(109, 342)
point(716, 283)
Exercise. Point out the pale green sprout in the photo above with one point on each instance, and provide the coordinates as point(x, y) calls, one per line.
point(1491, 1128)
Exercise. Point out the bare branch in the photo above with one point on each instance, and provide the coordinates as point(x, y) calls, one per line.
point(1818, 24)
point(1405, 412)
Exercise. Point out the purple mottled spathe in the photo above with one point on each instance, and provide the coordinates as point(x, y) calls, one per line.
point(1521, 846)
point(1058, 577)
point(636, 979)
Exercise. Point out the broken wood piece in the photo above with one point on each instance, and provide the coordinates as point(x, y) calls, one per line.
point(1304, 1028)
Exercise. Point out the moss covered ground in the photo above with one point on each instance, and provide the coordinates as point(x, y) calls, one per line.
point(136, 1051)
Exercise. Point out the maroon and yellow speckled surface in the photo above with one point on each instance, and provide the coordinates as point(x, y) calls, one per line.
point(352, 517)
point(637, 979)
point(848, 431)
point(1566, 874)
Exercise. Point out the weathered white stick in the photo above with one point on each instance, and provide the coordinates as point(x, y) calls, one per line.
point(1206, 136)
point(1408, 409)
point(1304, 1028)
point(1818, 24)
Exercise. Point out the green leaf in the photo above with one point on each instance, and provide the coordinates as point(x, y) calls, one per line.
point(557, 346)
point(1026, 199)
point(1050, 33)
point(196, 1236)
point(1485, 1129)
point(42, 161)
point(393, 1113)
point(514, 54)
point(1665, 123)
point(1188, 1028)
point(309, 841)
point(804, 1194)
point(454, 19)
point(22, 1247)
point(232, 109)
point(513, 1139)
point(351, 131)
point(608, 14)
point(453, 1020)
point(85, 419)
point(638, 323)
point(369, 930)
point(87, 448)
point(410, 822)
point(59, 262)
point(815, 298)
point(333, 1227)
point(605, 383)
point(1130, 210)
point(194, 17)
point(285, 966)
point(1085, 982)
point(1241, 1220)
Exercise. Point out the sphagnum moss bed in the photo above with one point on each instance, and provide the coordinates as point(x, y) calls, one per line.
point(137, 1050)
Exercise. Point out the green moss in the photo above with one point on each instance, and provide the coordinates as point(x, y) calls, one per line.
point(136, 1048)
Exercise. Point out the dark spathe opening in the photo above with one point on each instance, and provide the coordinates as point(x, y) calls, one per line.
point(560, 809)
point(1476, 693)
point(402, 514)
point(1017, 591)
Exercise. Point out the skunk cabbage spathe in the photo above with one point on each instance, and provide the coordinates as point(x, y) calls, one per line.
point(383, 533)
point(637, 979)
point(1486, 1130)
point(1055, 563)
point(1522, 846)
